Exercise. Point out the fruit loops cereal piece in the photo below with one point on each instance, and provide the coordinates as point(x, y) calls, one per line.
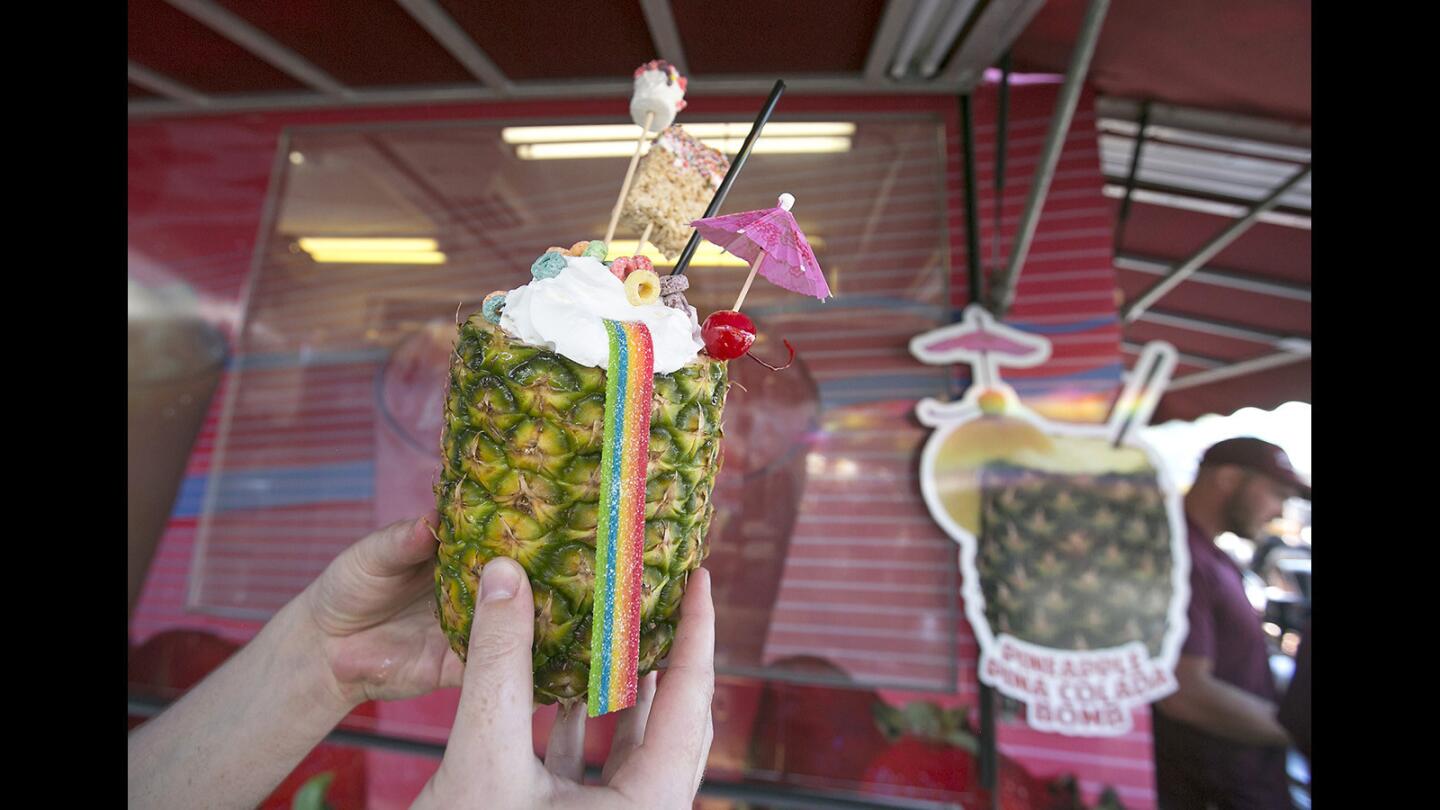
point(581, 249)
point(674, 284)
point(548, 265)
point(622, 267)
point(494, 302)
point(642, 287)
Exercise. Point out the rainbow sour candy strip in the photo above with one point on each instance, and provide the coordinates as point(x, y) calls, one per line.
point(620, 533)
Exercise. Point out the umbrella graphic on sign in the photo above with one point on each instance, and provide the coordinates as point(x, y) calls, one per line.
point(984, 344)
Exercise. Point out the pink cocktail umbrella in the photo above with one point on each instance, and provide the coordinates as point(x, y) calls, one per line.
point(774, 244)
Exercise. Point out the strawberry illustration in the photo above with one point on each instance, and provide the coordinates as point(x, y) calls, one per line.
point(816, 731)
point(934, 755)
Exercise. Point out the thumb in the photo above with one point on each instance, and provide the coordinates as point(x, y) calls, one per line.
point(394, 551)
point(493, 720)
point(376, 576)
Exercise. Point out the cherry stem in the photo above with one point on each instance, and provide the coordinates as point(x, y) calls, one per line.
point(776, 368)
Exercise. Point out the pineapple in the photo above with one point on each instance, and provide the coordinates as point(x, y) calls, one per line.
point(521, 477)
point(1093, 547)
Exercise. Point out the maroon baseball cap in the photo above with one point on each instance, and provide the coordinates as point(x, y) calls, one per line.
point(1259, 456)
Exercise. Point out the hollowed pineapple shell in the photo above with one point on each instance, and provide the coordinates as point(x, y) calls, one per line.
point(520, 478)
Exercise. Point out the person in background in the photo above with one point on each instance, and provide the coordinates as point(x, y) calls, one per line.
point(1218, 742)
point(365, 630)
point(1266, 547)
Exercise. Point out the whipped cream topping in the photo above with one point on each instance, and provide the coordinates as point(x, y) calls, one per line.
point(565, 314)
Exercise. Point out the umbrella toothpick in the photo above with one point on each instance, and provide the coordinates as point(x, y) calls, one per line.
point(754, 266)
point(773, 242)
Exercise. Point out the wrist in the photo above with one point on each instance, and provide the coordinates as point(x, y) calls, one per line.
point(307, 647)
point(273, 702)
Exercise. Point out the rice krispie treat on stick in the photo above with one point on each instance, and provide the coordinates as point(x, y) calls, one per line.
point(673, 184)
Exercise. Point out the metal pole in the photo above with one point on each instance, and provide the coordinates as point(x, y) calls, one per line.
point(1214, 246)
point(1217, 278)
point(1125, 208)
point(989, 753)
point(1130, 178)
point(1238, 369)
point(1209, 326)
point(1002, 133)
point(972, 202)
point(1004, 287)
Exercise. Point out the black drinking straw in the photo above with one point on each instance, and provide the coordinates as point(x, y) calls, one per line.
point(735, 166)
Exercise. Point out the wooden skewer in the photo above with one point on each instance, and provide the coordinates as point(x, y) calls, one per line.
point(640, 246)
point(629, 176)
point(754, 266)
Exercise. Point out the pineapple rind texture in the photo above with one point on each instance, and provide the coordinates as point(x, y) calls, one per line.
point(520, 478)
point(1074, 562)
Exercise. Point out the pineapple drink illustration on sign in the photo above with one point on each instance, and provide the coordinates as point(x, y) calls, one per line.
point(1071, 537)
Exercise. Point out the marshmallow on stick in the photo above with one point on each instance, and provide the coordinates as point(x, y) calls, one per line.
point(659, 94)
point(659, 89)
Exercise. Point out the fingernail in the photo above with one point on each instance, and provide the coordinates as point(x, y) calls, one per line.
point(499, 579)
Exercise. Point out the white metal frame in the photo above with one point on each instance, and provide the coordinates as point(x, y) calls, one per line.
point(664, 33)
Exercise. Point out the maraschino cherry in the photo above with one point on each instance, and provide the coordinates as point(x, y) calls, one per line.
point(728, 334)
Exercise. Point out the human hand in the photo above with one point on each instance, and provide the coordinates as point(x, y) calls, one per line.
point(373, 608)
point(364, 629)
point(656, 758)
